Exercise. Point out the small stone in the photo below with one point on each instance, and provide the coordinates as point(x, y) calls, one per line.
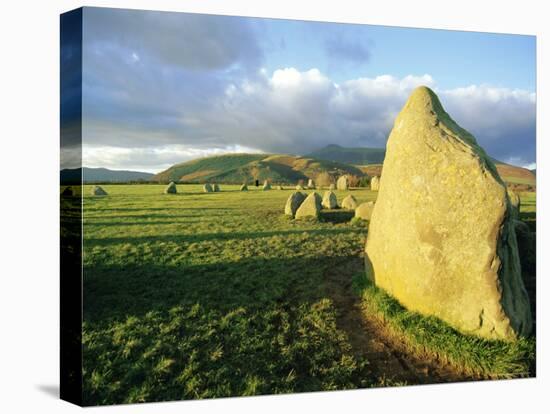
point(171, 188)
point(349, 202)
point(329, 200)
point(293, 203)
point(311, 207)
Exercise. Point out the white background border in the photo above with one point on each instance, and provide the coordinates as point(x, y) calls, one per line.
point(29, 162)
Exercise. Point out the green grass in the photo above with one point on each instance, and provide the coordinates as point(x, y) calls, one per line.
point(429, 337)
point(200, 295)
point(528, 209)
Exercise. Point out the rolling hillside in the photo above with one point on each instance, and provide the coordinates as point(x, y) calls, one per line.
point(238, 168)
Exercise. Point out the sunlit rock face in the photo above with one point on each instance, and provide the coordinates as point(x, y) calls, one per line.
point(441, 238)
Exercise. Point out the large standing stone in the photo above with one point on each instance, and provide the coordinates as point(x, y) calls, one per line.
point(311, 184)
point(441, 238)
point(216, 188)
point(293, 203)
point(349, 202)
point(244, 187)
point(364, 210)
point(311, 207)
point(171, 188)
point(266, 186)
point(342, 183)
point(98, 191)
point(374, 183)
point(207, 188)
point(329, 200)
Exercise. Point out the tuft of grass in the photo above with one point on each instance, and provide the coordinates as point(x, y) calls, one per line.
point(429, 337)
point(359, 222)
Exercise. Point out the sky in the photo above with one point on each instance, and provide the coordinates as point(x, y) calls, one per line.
point(160, 88)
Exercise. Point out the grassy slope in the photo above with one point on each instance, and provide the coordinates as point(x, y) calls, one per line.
point(212, 165)
point(516, 175)
point(237, 168)
point(208, 295)
point(428, 337)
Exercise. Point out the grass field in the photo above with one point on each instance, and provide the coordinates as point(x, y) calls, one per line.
point(199, 295)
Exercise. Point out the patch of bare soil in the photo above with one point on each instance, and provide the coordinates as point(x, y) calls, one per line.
point(388, 361)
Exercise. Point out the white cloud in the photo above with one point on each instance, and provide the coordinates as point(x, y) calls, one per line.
point(295, 111)
point(149, 159)
point(490, 111)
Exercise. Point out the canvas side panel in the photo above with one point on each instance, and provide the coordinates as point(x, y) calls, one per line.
point(71, 206)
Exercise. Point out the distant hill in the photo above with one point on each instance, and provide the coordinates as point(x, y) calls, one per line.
point(516, 175)
point(238, 168)
point(72, 176)
point(355, 156)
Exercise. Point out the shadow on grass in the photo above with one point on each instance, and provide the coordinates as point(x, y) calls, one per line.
point(336, 216)
point(117, 292)
point(142, 222)
point(223, 236)
point(249, 327)
point(89, 209)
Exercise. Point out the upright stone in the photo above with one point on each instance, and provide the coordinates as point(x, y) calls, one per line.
point(266, 186)
point(349, 202)
point(441, 247)
point(293, 203)
point(311, 184)
point(98, 191)
point(342, 183)
point(311, 207)
point(364, 210)
point(216, 188)
point(207, 188)
point(374, 183)
point(171, 188)
point(244, 187)
point(329, 200)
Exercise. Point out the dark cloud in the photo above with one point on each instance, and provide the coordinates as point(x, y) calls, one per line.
point(191, 41)
point(353, 51)
point(146, 72)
